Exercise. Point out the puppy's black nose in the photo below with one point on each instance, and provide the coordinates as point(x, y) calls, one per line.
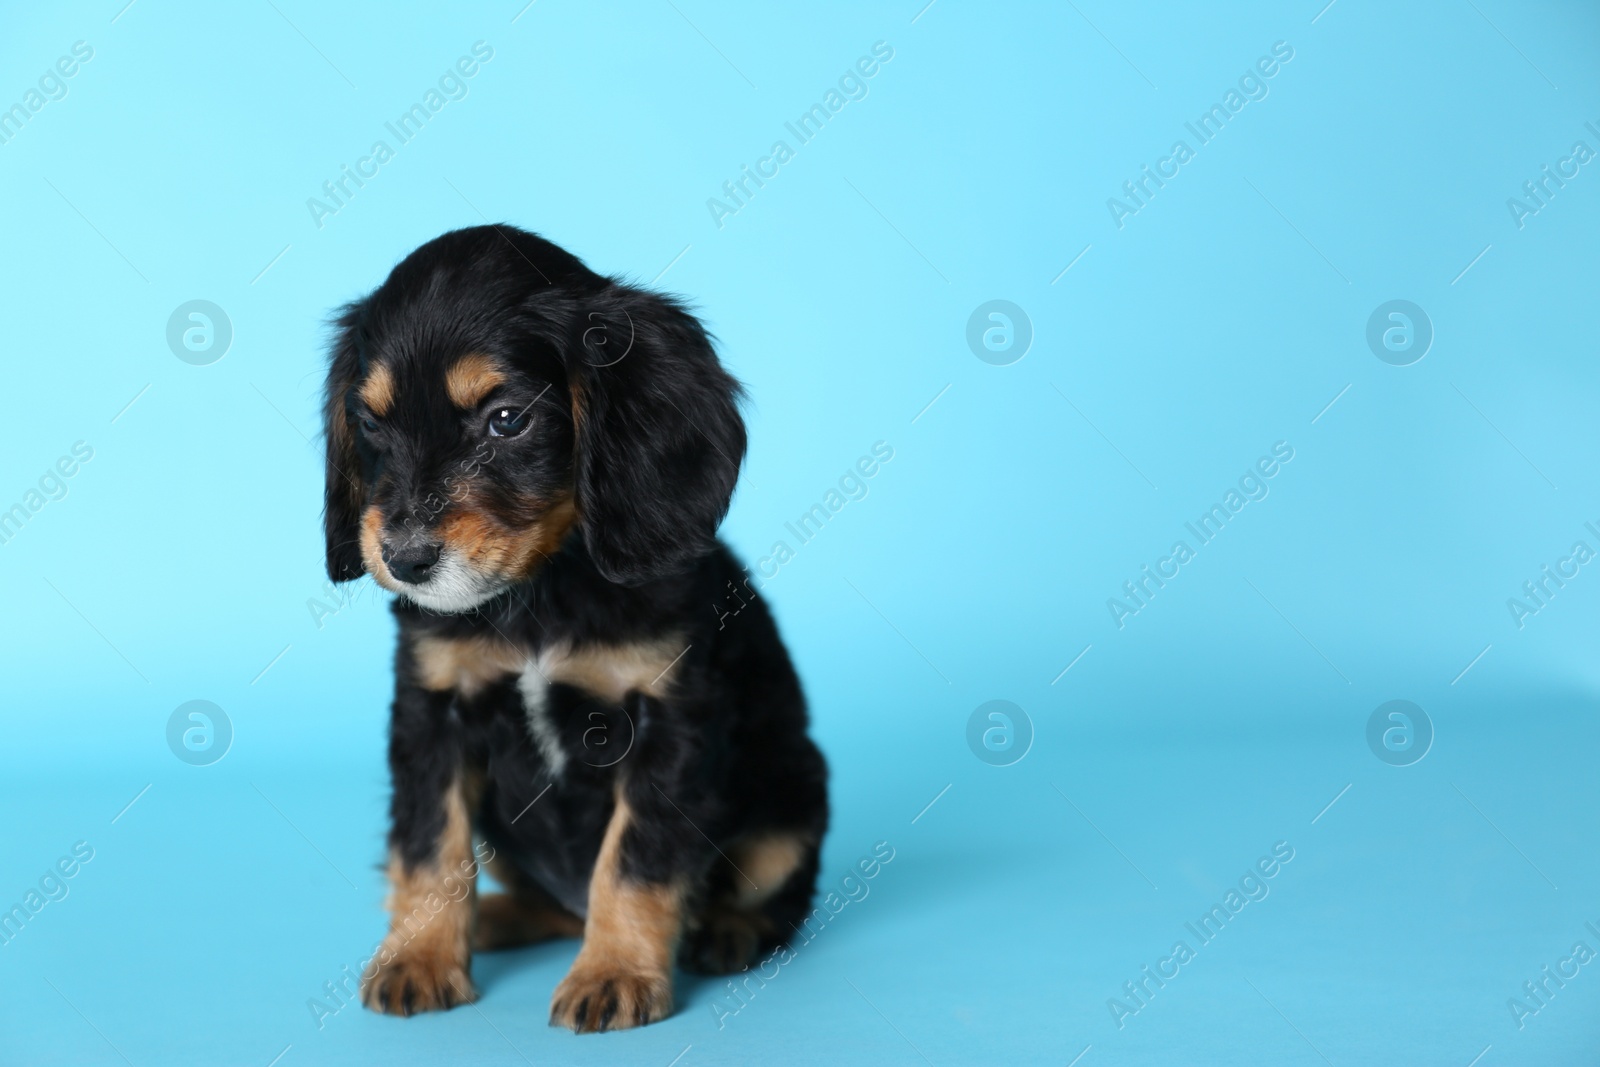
point(411, 562)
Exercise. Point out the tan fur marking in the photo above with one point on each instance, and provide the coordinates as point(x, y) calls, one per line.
point(471, 379)
point(580, 414)
point(423, 961)
point(465, 664)
point(507, 920)
point(610, 671)
point(508, 553)
point(630, 926)
point(372, 546)
point(623, 974)
point(377, 392)
point(768, 861)
point(729, 929)
point(541, 540)
point(579, 404)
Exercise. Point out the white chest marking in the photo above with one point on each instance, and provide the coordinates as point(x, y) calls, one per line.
point(608, 672)
point(536, 704)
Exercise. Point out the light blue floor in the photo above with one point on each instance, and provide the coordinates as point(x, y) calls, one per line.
point(1015, 907)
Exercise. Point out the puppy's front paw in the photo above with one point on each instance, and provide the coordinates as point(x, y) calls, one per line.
point(416, 981)
point(591, 999)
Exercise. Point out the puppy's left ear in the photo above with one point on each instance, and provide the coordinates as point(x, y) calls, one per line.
point(659, 438)
point(342, 492)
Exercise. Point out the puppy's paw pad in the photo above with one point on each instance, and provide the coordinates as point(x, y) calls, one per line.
point(409, 984)
point(589, 1001)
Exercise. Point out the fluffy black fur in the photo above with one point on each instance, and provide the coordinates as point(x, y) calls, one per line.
point(634, 419)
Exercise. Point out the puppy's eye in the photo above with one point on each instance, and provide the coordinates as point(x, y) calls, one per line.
point(508, 422)
point(369, 425)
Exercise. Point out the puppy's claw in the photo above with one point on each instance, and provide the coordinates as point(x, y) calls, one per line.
point(609, 1011)
point(406, 986)
point(589, 1001)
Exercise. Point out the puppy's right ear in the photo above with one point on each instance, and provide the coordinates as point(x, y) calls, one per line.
point(344, 497)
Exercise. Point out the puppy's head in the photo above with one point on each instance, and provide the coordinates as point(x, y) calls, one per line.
point(493, 398)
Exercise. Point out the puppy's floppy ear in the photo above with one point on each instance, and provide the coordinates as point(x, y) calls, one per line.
point(659, 438)
point(342, 492)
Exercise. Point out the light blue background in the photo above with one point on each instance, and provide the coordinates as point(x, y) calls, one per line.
point(1222, 318)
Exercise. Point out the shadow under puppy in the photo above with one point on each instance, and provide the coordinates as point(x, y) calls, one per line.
point(536, 458)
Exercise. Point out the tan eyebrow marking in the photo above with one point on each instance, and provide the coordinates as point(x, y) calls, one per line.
point(377, 392)
point(471, 379)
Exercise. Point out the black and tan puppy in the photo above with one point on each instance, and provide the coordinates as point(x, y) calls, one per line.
point(536, 459)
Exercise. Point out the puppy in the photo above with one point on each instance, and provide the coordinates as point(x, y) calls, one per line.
point(536, 458)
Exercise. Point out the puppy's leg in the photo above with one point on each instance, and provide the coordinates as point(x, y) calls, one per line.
point(423, 962)
point(523, 915)
point(508, 920)
point(759, 891)
point(623, 974)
